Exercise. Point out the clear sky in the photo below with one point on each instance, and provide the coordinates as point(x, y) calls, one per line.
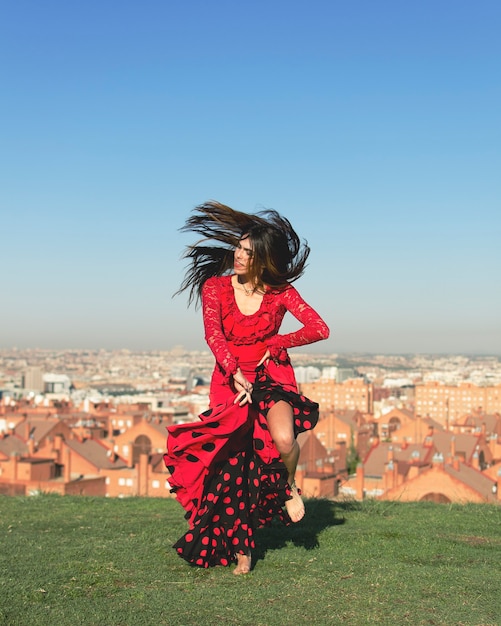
point(375, 127)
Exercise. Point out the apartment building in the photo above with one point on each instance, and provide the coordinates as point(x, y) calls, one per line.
point(353, 394)
point(449, 403)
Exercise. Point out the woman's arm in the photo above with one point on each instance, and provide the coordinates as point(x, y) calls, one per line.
point(314, 328)
point(214, 335)
point(213, 325)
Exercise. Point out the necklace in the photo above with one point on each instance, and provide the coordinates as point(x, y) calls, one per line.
point(248, 292)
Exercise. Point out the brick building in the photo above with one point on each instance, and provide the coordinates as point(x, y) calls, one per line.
point(71, 454)
point(319, 470)
point(449, 403)
point(353, 394)
point(444, 467)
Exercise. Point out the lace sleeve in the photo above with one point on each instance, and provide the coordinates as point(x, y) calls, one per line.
point(214, 335)
point(314, 328)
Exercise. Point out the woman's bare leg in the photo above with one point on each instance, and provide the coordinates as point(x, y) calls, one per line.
point(280, 424)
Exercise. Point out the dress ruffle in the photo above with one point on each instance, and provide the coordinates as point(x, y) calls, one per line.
point(271, 386)
point(242, 329)
point(226, 471)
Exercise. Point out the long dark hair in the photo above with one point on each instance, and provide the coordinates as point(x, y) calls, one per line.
point(279, 256)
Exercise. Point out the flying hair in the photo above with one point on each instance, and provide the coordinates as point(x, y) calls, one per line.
point(279, 256)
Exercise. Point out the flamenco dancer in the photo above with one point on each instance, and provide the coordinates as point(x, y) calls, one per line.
point(233, 471)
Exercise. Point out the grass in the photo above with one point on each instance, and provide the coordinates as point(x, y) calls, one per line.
point(95, 561)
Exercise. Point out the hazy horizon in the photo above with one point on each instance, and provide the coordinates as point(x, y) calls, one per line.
point(374, 127)
point(307, 350)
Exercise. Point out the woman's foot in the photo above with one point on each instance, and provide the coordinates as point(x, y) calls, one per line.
point(295, 506)
point(244, 562)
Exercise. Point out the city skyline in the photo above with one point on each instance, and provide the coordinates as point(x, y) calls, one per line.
point(373, 128)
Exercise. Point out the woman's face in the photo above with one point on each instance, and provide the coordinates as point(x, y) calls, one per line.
point(242, 259)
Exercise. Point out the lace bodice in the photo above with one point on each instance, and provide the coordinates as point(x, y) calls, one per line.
point(226, 326)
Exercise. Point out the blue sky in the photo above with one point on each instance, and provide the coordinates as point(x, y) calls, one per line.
point(375, 127)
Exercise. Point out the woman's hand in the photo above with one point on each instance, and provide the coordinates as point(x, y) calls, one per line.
point(243, 387)
point(266, 356)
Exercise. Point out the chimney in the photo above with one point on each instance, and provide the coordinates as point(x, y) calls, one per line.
point(67, 465)
point(390, 475)
point(31, 446)
point(360, 482)
point(418, 425)
point(15, 459)
point(438, 460)
point(493, 443)
point(341, 447)
point(475, 461)
point(142, 474)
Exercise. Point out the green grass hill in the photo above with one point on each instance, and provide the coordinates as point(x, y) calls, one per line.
point(109, 562)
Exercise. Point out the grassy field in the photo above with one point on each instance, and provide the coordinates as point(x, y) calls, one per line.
point(92, 561)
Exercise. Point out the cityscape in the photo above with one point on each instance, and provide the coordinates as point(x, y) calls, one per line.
point(407, 427)
point(373, 128)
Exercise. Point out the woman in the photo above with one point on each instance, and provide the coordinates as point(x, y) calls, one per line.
point(234, 470)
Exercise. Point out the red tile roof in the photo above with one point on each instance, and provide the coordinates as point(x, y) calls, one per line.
point(95, 453)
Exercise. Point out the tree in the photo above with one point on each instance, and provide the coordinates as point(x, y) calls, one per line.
point(353, 458)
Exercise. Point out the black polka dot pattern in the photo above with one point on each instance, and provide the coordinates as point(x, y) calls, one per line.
point(228, 475)
point(239, 498)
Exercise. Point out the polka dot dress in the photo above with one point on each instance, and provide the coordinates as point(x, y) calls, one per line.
point(228, 475)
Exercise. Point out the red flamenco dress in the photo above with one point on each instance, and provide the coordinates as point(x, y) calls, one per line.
point(225, 469)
